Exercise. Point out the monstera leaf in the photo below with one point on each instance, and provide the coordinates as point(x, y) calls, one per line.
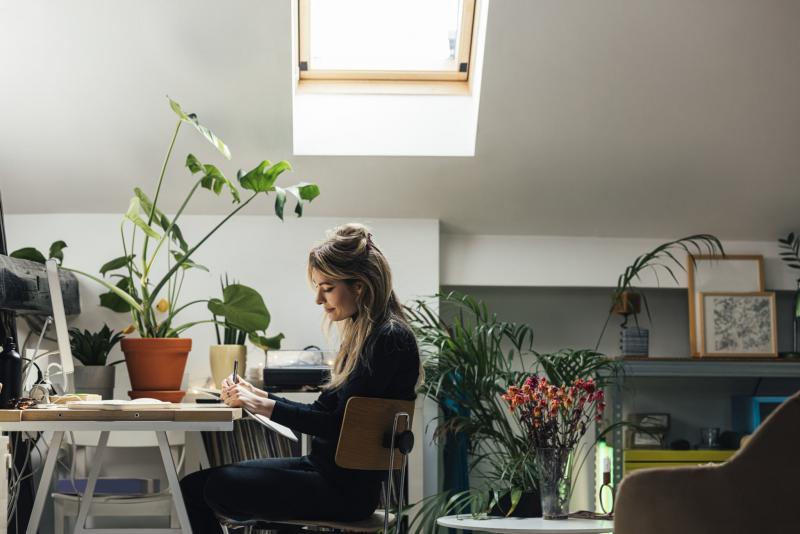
point(191, 118)
point(241, 306)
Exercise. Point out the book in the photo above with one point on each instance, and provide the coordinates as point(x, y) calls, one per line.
point(119, 404)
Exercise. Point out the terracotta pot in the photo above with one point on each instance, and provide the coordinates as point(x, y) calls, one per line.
point(156, 363)
point(222, 358)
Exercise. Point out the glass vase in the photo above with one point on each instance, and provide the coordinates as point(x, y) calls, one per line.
point(553, 470)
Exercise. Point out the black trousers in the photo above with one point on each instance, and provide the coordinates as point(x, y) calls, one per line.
point(274, 488)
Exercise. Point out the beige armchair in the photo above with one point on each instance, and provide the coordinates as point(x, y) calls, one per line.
point(754, 492)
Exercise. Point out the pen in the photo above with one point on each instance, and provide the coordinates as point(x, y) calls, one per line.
point(235, 375)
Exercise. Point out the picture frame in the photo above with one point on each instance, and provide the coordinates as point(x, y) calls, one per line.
point(713, 273)
point(738, 324)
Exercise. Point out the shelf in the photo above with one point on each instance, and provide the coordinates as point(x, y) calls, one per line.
point(707, 367)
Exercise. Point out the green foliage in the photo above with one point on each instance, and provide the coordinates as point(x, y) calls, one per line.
point(660, 259)
point(32, 254)
point(93, 348)
point(245, 315)
point(128, 276)
point(470, 360)
point(790, 251)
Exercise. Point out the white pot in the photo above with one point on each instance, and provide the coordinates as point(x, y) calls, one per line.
point(222, 358)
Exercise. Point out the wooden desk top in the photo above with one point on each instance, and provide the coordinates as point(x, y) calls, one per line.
point(183, 413)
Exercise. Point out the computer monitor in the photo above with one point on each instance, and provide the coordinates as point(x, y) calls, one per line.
point(60, 321)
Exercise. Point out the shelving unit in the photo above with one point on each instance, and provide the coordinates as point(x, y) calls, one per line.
point(635, 368)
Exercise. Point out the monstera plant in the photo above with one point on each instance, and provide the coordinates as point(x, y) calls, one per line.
point(150, 238)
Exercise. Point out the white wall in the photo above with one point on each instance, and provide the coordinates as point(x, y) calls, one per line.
point(555, 261)
point(258, 251)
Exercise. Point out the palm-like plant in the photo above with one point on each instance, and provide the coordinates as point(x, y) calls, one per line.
point(662, 258)
point(470, 360)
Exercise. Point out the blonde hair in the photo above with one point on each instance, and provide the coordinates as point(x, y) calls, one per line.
point(350, 255)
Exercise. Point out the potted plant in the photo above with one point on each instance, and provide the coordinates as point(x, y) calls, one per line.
point(626, 300)
point(471, 359)
point(91, 350)
point(157, 359)
point(555, 417)
point(237, 327)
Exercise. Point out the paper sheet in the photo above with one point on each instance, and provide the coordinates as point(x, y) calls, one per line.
point(272, 425)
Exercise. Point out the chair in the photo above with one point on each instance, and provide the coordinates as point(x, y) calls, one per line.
point(375, 436)
point(750, 493)
point(148, 505)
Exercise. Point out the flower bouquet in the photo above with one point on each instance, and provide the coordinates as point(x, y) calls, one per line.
point(555, 419)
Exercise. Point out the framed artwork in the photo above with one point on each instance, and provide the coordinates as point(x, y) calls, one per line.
point(738, 324)
point(726, 274)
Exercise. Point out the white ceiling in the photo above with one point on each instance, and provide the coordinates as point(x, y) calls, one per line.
point(616, 118)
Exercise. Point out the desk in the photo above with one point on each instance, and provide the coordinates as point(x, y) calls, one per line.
point(526, 525)
point(189, 418)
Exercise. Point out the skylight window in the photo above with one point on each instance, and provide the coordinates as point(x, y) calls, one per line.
point(385, 39)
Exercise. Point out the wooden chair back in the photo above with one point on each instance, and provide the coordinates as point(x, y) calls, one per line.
point(367, 424)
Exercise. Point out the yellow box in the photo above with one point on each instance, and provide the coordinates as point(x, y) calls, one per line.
point(647, 458)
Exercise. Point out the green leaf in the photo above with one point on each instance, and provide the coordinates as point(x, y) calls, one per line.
point(162, 220)
point(193, 164)
point(191, 118)
point(262, 178)
point(280, 201)
point(56, 251)
point(187, 263)
point(134, 209)
point(30, 254)
point(213, 179)
point(266, 343)
point(113, 301)
point(116, 263)
point(242, 307)
point(303, 192)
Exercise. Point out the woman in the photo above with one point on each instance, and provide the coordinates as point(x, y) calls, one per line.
point(378, 357)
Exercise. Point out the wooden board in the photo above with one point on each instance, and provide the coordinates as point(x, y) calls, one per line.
point(178, 414)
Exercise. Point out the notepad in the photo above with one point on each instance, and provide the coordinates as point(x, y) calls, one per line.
point(119, 404)
point(284, 431)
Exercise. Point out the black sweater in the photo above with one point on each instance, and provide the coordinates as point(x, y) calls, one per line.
point(391, 373)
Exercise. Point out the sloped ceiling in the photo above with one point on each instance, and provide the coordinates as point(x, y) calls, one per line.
point(616, 118)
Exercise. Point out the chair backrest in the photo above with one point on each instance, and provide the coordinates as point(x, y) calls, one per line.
point(748, 493)
point(367, 425)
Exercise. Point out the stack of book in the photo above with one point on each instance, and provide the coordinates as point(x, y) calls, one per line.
point(248, 441)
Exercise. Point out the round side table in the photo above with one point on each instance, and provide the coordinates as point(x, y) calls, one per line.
point(526, 525)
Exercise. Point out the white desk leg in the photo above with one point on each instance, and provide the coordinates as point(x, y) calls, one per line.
point(44, 483)
point(172, 479)
point(94, 472)
point(196, 439)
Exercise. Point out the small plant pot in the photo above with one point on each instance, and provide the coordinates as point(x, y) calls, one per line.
point(222, 358)
point(98, 379)
point(156, 364)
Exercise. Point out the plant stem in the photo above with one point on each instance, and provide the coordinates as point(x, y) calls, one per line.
point(123, 295)
point(179, 329)
point(169, 228)
point(191, 250)
point(158, 188)
point(175, 312)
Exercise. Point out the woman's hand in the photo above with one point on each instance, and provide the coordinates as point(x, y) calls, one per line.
point(227, 383)
point(239, 396)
